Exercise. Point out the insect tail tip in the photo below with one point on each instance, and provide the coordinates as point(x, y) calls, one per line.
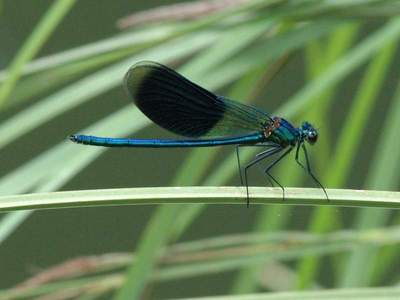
point(73, 137)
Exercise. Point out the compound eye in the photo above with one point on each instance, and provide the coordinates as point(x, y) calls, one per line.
point(312, 137)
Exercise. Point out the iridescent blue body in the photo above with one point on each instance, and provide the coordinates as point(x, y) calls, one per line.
point(165, 143)
point(184, 108)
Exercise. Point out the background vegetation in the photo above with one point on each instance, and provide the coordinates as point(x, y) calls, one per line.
point(333, 63)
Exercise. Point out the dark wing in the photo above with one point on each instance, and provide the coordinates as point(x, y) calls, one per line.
point(181, 106)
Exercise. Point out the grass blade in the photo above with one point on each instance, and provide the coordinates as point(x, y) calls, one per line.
point(33, 44)
point(384, 174)
point(358, 55)
point(348, 142)
point(209, 195)
point(92, 86)
point(386, 293)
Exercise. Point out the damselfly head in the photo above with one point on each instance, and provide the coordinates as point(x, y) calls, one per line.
point(309, 133)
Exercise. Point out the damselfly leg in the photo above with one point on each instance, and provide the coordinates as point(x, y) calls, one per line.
point(308, 166)
point(259, 158)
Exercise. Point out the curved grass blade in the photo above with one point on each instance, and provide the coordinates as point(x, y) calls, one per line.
point(92, 86)
point(384, 174)
point(59, 164)
point(39, 84)
point(388, 293)
point(359, 54)
point(209, 195)
point(109, 45)
point(267, 51)
point(349, 139)
point(38, 37)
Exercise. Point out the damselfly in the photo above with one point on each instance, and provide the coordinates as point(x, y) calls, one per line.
point(183, 107)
